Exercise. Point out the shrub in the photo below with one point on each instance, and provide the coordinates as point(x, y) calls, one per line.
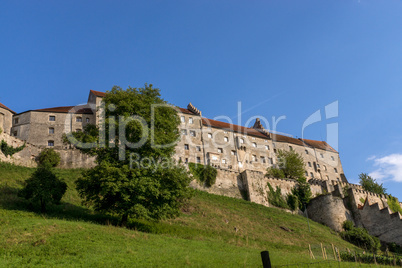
point(275, 173)
point(275, 197)
point(360, 237)
point(43, 187)
point(394, 204)
point(292, 201)
point(204, 174)
point(49, 157)
point(303, 192)
point(9, 150)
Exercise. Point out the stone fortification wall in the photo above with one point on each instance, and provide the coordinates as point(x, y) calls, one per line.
point(329, 210)
point(381, 223)
point(228, 183)
point(360, 195)
point(27, 157)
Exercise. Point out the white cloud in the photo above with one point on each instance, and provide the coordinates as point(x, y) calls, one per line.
point(388, 168)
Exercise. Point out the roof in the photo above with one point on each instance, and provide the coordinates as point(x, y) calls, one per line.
point(5, 107)
point(186, 111)
point(98, 93)
point(235, 128)
point(320, 145)
point(282, 138)
point(64, 109)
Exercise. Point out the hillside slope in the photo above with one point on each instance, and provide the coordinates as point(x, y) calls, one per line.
point(212, 231)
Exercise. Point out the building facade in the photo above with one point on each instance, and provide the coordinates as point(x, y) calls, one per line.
point(206, 141)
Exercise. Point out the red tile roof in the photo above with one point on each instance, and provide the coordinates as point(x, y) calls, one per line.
point(98, 93)
point(320, 145)
point(5, 107)
point(185, 111)
point(282, 138)
point(230, 127)
point(67, 109)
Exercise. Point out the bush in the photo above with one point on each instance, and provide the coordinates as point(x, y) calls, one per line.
point(348, 225)
point(204, 174)
point(9, 150)
point(275, 173)
point(292, 201)
point(49, 157)
point(303, 192)
point(394, 204)
point(44, 187)
point(360, 237)
point(275, 197)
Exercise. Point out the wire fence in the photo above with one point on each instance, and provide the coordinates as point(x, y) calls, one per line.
point(328, 255)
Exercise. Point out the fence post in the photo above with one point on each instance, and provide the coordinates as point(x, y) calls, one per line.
point(266, 262)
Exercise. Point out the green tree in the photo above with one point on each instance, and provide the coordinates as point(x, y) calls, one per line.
point(135, 174)
point(44, 187)
point(303, 192)
point(369, 184)
point(49, 157)
point(290, 165)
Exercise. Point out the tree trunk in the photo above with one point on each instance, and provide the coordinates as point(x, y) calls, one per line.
point(124, 220)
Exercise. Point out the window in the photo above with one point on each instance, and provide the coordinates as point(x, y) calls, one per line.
point(233, 152)
point(336, 171)
point(306, 151)
point(226, 139)
point(182, 119)
point(51, 130)
point(291, 148)
point(270, 161)
point(325, 167)
point(332, 158)
point(274, 150)
point(50, 143)
point(186, 147)
point(186, 161)
point(322, 156)
point(52, 118)
point(309, 164)
point(254, 157)
point(198, 148)
point(223, 161)
point(16, 121)
point(210, 135)
point(240, 164)
point(220, 150)
point(311, 175)
point(192, 133)
point(241, 141)
point(262, 158)
point(190, 120)
point(78, 119)
point(267, 147)
point(273, 144)
point(254, 145)
point(338, 179)
point(87, 120)
point(318, 165)
point(15, 133)
point(198, 159)
point(225, 132)
point(253, 138)
point(306, 173)
point(184, 132)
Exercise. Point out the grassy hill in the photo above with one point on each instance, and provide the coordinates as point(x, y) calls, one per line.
point(212, 231)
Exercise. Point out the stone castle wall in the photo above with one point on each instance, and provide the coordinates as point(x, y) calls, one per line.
point(27, 157)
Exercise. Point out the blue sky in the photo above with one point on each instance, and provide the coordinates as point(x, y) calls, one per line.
point(278, 58)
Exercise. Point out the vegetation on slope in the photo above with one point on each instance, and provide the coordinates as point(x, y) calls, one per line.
point(211, 231)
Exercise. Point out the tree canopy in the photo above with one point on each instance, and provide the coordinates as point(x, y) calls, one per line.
point(135, 173)
point(290, 165)
point(370, 184)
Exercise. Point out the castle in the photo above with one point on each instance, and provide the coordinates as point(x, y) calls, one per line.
point(240, 154)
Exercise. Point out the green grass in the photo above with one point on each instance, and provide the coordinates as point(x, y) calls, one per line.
point(212, 231)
